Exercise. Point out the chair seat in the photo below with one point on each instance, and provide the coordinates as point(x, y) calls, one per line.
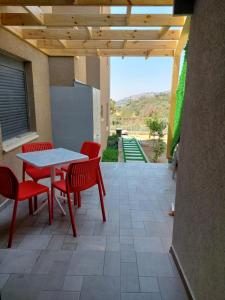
point(65, 168)
point(60, 185)
point(28, 189)
point(41, 173)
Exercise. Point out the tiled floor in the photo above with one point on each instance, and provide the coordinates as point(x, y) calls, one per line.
point(126, 258)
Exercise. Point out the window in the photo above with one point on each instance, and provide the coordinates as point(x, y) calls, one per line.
point(13, 98)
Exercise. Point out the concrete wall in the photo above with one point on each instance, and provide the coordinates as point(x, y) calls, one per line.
point(93, 71)
point(61, 71)
point(40, 74)
point(80, 69)
point(105, 98)
point(199, 229)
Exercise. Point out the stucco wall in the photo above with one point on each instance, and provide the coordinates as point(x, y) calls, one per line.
point(80, 69)
point(40, 73)
point(93, 71)
point(199, 229)
point(105, 98)
point(61, 71)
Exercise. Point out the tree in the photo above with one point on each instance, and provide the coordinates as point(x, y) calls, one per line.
point(155, 126)
point(112, 106)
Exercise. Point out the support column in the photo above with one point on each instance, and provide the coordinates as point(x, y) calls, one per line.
point(175, 80)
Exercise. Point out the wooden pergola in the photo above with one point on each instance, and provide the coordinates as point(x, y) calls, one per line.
point(83, 28)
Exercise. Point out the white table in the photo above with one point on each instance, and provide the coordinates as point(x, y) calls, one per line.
point(51, 158)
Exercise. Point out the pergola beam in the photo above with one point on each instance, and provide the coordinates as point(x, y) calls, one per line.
point(109, 44)
point(107, 52)
point(175, 80)
point(98, 20)
point(82, 34)
point(36, 13)
point(88, 2)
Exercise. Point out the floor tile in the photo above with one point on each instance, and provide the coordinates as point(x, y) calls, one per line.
point(130, 284)
point(171, 288)
point(128, 255)
point(86, 263)
point(73, 283)
point(141, 296)
point(129, 269)
point(100, 288)
point(154, 264)
point(19, 261)
point(112, 263)
point(149, 284)
point(35, 242)
point(148, 244)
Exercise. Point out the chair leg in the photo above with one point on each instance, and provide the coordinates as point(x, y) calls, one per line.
point(75, 199)
point(61, 178)
point(52, 202)
point(49, 208)
point(30, 206)
point(101, 202)
point(13, 222)
point(79, 199)
point(35, 201)
point(101, 181)
point(71, 215)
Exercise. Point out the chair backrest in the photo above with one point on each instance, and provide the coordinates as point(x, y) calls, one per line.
point(31, 147)
point(91, 149)
point(83, 175)
point(39, 146)
point(8, 183)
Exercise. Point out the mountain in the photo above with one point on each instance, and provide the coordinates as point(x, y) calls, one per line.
point(143, 105)
point(141, 96)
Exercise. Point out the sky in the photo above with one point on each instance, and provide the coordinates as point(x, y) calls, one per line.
point(134, 75)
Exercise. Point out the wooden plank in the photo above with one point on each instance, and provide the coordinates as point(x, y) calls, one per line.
point(18, 33)
point(81, 34)
point(103, 20)
point(89, 2)
point(51, 44)
point(183, 37)
point(175, 80)
point(36, 13)
point(107, 52)
point(147, 45)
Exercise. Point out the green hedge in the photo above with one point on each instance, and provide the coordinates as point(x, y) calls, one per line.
point(110, 155)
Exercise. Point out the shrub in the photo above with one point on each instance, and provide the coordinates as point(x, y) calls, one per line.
point(155, 126)
point(110, 155)
point(113, 141)
point(158, 149)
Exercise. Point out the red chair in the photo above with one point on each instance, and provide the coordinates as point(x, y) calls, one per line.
point(26, 190)
point(91, 149)
point(80, 176)
point(36, 173)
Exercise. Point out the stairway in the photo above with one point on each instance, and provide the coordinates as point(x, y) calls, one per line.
point(132, 151)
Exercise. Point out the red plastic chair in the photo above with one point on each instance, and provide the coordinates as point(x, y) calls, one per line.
point(36, 173)
point(91, 149)
point(26, 190)
point(80, 176)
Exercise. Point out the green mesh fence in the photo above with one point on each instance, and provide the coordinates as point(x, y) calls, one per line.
point(179, 104)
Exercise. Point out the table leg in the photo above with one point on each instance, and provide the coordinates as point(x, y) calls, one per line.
point(55, 197)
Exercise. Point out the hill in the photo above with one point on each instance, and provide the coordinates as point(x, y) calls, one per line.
point(143, 105)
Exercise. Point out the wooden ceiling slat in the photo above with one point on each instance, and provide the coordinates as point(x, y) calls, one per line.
point(108, 44)
point(88, 2)
point(107, 52)
point(81, 34)
point(98, 20)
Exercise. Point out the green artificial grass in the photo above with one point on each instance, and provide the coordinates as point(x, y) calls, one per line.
point(110, 155)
